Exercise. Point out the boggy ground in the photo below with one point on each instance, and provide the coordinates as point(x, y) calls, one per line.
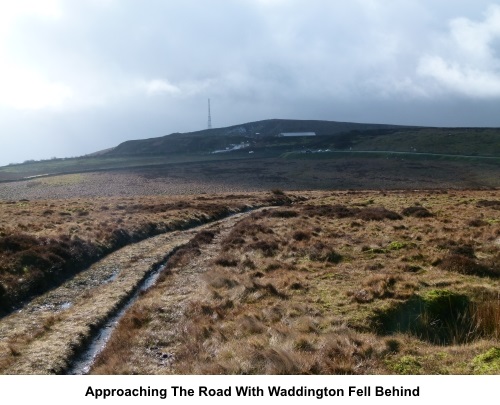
point(50, 331)
point(343, 283)
point(333, 282)
point(43, 242)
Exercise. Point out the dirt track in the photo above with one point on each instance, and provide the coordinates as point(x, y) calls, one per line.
point(307, 288)
point(44, 336)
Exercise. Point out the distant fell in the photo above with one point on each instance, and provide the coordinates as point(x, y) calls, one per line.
point(262, 137)
point(211, 139)
point(256, 145)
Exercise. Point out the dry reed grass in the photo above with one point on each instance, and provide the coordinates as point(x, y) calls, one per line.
point(322, 287)
point(43, 242)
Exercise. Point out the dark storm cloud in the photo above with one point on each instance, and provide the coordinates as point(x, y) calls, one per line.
point(87, 75)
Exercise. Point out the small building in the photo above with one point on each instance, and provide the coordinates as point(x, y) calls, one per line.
point(297, 134)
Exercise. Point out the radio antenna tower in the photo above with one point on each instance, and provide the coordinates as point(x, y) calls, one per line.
point(209, 116)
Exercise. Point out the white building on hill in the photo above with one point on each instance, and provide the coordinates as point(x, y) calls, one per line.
point(297, 134)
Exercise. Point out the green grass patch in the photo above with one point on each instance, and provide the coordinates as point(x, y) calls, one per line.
point(405, 365)
point(397, 245)
point(438, 316)
point(488, 362)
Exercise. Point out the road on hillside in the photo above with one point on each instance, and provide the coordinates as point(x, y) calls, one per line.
point(390, 152)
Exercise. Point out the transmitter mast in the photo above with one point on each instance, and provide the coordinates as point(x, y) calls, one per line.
point(209, 116)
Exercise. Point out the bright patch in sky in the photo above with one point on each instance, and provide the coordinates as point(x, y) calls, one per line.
point(22, 87)
point(158, 86)
point(80, 76)
point(468, 63)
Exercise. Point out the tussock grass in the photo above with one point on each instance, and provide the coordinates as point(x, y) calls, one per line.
point(308, 332)
point(44, 242)
point(311, 293)
point(417, 212)
point(442, 316)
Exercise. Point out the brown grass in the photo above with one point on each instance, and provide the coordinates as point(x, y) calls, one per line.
point(465, 264)
point(417, 212)
point(44, 242)
point(340, 284)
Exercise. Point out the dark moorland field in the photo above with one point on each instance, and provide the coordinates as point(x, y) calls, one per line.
point(305, 172)
point(341, 155)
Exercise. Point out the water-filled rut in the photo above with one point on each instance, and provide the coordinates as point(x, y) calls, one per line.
point(84, 360)
point(62, 331)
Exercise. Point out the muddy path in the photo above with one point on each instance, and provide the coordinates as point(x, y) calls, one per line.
point(46, 335)
point(153, 348)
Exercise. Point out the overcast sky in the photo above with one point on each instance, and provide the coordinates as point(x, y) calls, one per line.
point(81, 76)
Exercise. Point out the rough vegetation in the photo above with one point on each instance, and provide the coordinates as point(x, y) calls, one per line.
point(343, 282)
point(43, 242)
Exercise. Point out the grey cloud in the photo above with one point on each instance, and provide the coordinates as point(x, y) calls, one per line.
point(142, 69)
point(467, 62)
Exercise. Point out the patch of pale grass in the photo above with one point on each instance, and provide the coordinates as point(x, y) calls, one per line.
point(275, 304)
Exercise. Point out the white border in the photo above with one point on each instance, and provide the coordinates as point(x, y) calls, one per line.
point(71, 389)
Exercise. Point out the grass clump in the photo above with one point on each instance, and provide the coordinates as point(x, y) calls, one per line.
point(301, 236)
point(397, 245)
point(495, 204)
point(405, 365)
point(226, 261)
point(417, 212)
point(378, 214)
point(443, 317)
point(488, 362)
point(439, 316)
point(378, 286)
point(283, 214)
point(464, 264)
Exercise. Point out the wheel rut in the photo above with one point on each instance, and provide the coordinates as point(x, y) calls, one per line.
point(46, 335)
point(152, 350)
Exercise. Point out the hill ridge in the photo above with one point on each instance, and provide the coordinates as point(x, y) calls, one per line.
point(254, 130)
